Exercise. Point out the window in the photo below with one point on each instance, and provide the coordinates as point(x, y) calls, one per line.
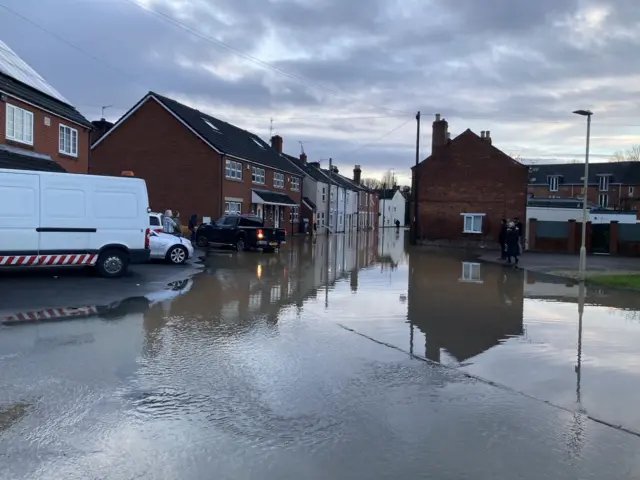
point(278, 180)
point(321, 219)
point(603, 200)
point(331, 219)
point(19, 125)
point(553, 183)
point(603, 183)
point(472, 222)
point(471, 272)
point(295, 184)
point(154, 221)
point(257, 175)
point(324, 194)
point(293, 214)
point(258, 143)
point(233, 170)
point(215, 129)
point(340, 219)
point(631, 191)
point(232, 208)
point(68, 141)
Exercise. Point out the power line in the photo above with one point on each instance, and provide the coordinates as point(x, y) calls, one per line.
point(377, 140)
point(253, 59)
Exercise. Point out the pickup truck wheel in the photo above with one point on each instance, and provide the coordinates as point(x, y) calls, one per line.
point(240, 246)
point(112, 263)
point(202, 241)
point(177, 255)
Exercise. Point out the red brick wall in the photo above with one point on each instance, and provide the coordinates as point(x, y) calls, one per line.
point(45, 138)
point(181, 171)
point(469, 176)
point(618, 194)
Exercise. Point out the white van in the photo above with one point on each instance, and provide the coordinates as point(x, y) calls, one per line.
point(63, 219)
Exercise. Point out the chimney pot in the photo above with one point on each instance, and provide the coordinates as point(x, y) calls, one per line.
point(482, 134)
point(276, 143)
point(357, 173)
point(488, 134)
point(437, 117)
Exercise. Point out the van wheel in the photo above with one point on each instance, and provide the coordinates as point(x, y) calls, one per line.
point(202, 241)
point(112, 263)
point(177, 255)
point(240, 246)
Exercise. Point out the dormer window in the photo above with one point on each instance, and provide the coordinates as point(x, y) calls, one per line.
point(603, 182)
point(553, 183)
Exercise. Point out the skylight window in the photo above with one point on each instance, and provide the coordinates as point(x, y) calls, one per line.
point(257, 143)
point(211, 125)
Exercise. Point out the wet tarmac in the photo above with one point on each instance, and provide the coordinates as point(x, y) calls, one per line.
point(350, 358)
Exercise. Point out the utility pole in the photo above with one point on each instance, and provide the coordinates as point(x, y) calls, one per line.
point(384, 202)
point(414, 233)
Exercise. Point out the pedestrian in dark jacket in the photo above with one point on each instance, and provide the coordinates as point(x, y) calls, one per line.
point(518, 223)
point(513, 243)
point(193, 226)
point(502, 238)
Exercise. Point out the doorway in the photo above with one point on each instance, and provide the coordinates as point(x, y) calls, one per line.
point(276, 217)
point(600, 233)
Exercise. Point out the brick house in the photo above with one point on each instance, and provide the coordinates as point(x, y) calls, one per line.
point(37, 123)
point(466, 186)
point(196, 164)
point(611, 185)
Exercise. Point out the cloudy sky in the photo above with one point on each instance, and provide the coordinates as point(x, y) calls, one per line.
point(346, 78)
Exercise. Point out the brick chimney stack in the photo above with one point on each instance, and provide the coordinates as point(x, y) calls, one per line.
point(276, 143)
point(439, 135)
point(357, 174)
point(303, 157)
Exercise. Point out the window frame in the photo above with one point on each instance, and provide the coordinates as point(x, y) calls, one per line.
point(603, 196)
point(553, 181)
point(324, 194)
point(26, 114)
point(278, 180)
point(603, 181)
point(232, 169)
point(74, 145)
point(471, 272)
point(295, 184)
point(255, 178)
point(472, 216)
point(630, 192)
point(294, 213)
point(227, 207)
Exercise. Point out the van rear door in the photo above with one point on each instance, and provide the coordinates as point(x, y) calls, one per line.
point(19, 215)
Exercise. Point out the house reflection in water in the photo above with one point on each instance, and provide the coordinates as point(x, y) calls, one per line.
point(463, 308)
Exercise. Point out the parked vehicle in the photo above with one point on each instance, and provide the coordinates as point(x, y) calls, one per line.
point(155, 222)
point(172, 248)
point(243, 232)
point(61, 219)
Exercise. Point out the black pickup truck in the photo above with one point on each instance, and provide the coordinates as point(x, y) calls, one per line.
point(242, 232)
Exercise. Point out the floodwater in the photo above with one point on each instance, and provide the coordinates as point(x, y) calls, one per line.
point(352, 358)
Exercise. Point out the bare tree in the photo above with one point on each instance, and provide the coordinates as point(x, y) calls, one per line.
point(388, 179)
point(371, 182)
point(632, 154)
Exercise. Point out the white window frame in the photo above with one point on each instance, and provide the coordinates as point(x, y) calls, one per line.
point(294, 213)
point(603, 183)
point(26, 125)
point(471, 272)
point(278, 180)
point(472, 216)
point(258, 175)
point(233, 170)
point(553, 181)
point(295, 184)
point(630, 191)
point(605, 197)
point(232, 208)
point(324, 194)
point(71, 148)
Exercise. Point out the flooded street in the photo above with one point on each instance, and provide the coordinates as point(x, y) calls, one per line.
point(312, 364)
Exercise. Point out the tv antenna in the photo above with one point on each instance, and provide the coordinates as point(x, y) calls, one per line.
point(302, 145)
point(103, 109)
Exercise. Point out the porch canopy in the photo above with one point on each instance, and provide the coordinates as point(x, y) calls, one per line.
point(265, 197)
point(310, 205)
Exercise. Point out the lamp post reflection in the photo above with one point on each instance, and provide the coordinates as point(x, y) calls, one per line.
point(578, 368)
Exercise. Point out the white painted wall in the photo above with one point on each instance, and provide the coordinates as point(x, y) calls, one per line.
point(391, 210)
point(566, 214)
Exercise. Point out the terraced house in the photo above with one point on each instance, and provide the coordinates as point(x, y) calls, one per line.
point(197, 164)
point(39, 128)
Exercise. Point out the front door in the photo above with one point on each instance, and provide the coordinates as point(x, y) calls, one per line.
point(600, 237)
point(276, 217)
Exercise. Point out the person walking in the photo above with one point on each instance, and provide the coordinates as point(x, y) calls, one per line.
point(168, 224)
point(512, 244)
point(502, 239)
point(193, 226)
point(520, 233)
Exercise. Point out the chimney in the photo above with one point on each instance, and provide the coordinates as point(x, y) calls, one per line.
point(303, 157)
point(488, 136)
point(314, 164)
point(357, 174)
point(439, 135)
point(482, 134)
point(334, 169)
point(276, 143)
point(100, 127)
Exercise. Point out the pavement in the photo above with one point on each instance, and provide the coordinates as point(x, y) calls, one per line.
point(342, 358)
point(567, 265)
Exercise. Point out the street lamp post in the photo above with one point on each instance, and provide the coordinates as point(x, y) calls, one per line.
point(583, 245)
